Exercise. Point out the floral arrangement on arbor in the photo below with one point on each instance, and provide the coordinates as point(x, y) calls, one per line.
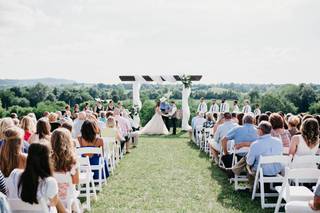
point(186, 81)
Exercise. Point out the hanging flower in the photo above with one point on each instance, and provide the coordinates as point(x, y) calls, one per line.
point(186, 81)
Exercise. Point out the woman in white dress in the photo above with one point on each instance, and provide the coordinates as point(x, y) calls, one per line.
point(156, 125)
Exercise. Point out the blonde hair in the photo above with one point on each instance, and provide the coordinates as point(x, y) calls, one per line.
point(63, 150)
point(53, 117)
point(5, 123)
point(10, 150)
point(111, 123)
point(27, 124)
point(294, 121)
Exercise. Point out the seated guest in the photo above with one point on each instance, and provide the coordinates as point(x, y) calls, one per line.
point(89, 132)
point(3, 186)
point(42, 134)
point(76, 130)
point(263, 117)
point(11, 155)
point(27, 125)
point(64, 160)
point(53, 120)
point(36, 181)
point(209, 123)
point(221, 132)
point(265, 145)
point(7, 123)
point(4, 124)
point(234, 118)
point(293, 122)
point(308, 142)
point(112, 130)
point(243, 136)
point(102, 117)
point(278, 130)
point(68, 125)
point(240, 118)
point(220, 121)
point(125, 128)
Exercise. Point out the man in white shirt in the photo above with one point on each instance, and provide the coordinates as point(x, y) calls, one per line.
point(257, 111)
point(202, 107)
point(224, 106)
point(173, 117)
point(214, 108)
point(246, 107)
point(235, 107)
point(221, 132)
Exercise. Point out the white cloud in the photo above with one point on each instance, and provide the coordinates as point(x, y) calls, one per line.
point(96, 40)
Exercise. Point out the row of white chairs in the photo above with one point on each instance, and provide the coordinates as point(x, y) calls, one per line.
point(299, 170)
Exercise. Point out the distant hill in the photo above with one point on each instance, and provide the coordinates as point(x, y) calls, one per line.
point(31, 82)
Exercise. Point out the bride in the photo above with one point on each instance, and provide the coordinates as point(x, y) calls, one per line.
point(155, 126)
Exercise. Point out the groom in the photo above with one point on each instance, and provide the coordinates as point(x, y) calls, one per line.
point(165, 108)
point(173, 117)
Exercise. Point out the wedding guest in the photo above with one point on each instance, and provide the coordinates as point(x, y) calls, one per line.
point(46, 114)
point(98, 107)
point(110, 106)
point(224, 107)
point(3, 186)
point(89, 138)
point(209, 123)
point(125, 128)
point(76, 110)
point(308, 142)
point(214, 108)
point(36, 181)
point(76, 130)
point(120, 106)
point(16, 121)
point(202, 107)
point(65, 160)
point(240, 118)
point(11, 155)
point(86, 107)
point(102, 117)
point(257, 110)
point(234, 118)
point(263, 117)
point(221, 132)
point(27, 125)
point(42, 134)
point(246, 108)
point(235, 106)
point(13, 115)
point(278, 130)
point(112, 130)
point(265, 145)
point(293, 122)
point(54, 123)
point(243, 136)
point(220, 120)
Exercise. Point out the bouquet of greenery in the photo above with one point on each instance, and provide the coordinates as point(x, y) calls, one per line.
point(186, 80)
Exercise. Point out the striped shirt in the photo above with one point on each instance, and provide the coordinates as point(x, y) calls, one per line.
point(3, 187)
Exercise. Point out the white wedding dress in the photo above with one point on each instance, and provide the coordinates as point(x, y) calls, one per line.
point(155, 126)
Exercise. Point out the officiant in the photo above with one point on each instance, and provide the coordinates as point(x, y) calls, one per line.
point(165, 108)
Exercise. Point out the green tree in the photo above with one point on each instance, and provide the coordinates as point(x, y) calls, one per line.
point(315, 108)
point(38, 93)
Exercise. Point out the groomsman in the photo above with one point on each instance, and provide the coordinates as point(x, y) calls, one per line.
point(257, 111)
point(202, 107)
point(236, 108)
point(224, 107)
point(246, 107)
point(214, 108)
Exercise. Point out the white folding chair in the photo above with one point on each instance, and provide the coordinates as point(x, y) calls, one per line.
point(109, 152)
point(207, 139)
point(66, 191)
point(238, 178)
point(305, 161)
point(86, 184)
point(261, 179)
point(199, 135)
point(230, 145)
point(299, 207)
point(82, 151)
point(296, 193)
point(17, 205)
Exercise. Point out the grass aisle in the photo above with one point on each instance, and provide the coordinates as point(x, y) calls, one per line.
point(169, 174)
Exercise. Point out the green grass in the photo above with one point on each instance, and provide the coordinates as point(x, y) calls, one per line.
point(169, 174)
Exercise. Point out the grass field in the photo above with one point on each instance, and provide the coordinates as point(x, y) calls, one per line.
point(169, 174)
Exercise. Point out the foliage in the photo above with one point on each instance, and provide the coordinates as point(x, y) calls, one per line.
point(147, 111)
point(48, 106)
point(315, 108)
point(275, 103)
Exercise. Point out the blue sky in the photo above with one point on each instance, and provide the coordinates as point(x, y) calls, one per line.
point(254, 41)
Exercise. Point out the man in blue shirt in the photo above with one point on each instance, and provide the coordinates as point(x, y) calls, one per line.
point(266, 145)
point(242, 136)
